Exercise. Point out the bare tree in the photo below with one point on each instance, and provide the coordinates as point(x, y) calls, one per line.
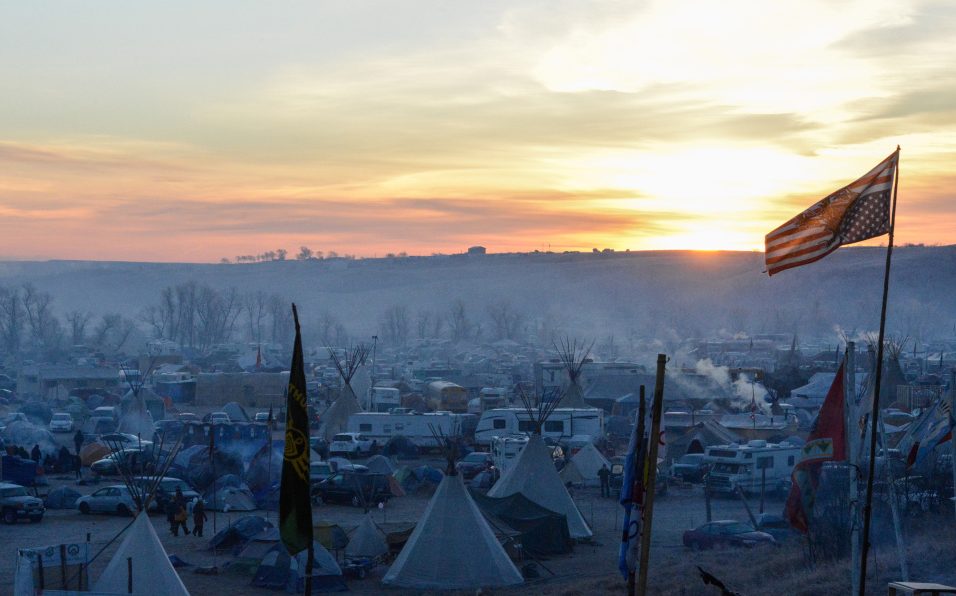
point(458, 322)
point(78, 322)
point(423, 323)
point(327, 327)
point(12, 316)
point(395, 325)
point(112, 333)
point(305, 253)
point(505, 320)
point(282, 324)
point(45, 329)
point(257, 311)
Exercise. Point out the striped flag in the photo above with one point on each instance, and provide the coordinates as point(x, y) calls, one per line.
point(856, 212)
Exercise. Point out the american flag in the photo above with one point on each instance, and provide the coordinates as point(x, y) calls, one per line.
point(856, 212)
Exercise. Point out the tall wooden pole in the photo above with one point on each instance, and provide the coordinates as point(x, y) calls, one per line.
point(875, 415)
point(637, 482)
point(651, 471)
point(851, 416)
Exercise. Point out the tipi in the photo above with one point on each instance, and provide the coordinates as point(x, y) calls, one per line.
point(335, 419)
point(452, 546)
point(534, 476)
point(152, 573)
point(573, 356)
point(367, 541)
point(584, 466)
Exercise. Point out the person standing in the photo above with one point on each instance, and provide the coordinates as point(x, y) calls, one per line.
point(171, 510)
point(605, 475)
point(35, 453)
point(181, 514)
point(199, 517)
point(78, 440)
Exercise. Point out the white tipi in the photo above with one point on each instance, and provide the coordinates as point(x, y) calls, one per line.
point(152, 573)
point(452, 547)
point(584, 466)
point(335, 419)
point(367, 541)
point(573, 356)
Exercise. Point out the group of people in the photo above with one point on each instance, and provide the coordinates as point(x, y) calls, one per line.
point(177, 514)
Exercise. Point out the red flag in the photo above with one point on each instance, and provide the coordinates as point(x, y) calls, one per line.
point(826, 442)
point(856, 212)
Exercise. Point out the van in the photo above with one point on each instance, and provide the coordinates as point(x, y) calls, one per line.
point(106, 412)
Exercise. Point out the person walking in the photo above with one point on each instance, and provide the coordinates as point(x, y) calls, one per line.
point(181, 514)
point(35, 453)
point(171, 510)
point(78, 440)
point(605, 475)
point(199, 517)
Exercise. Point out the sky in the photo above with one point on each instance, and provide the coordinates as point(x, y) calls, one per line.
point(193, 131)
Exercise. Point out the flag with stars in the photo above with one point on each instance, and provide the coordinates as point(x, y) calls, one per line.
point(856, 212)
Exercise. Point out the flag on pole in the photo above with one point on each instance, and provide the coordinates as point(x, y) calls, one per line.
point(632, 498)
point(826, 442)
point(856, 212)
point(295, 507)
point(933, 428)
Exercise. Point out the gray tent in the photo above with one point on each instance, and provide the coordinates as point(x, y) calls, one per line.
point(452, 547)
point(367, 541)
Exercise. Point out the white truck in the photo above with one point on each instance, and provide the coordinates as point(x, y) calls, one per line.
point(350, 444)
point(563, 424)
point(750, 466)
point(418, 428)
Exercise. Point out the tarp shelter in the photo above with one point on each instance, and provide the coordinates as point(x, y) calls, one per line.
point(330, 535)
point(586, 463)
point(452, 547)
point(239, 532)
point(367, 541)
point(400, 447)
point(279, 571)
point(62, 497)
point(152, 573)
point(92, 452)
point(533, 475)
point(379, 464)
point(541, 532)
point(229, 498)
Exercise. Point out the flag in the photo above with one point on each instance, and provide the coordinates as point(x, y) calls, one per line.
point(295, 507)
point(632, 494)
point(826, 442)
point(856, 212)
point(933, 428)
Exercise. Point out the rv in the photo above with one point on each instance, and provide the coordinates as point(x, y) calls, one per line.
point(563, 424)
point(751, 465)
point(385, 398)
point(418, 428)
point(493, 397)
point(505, 450)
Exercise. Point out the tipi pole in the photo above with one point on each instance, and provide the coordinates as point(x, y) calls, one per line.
point(875, 415)
point(651, 473)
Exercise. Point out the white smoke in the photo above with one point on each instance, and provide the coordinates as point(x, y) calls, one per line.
point(744, 391)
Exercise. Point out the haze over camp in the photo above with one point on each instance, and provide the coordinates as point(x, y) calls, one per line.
point(569, 297)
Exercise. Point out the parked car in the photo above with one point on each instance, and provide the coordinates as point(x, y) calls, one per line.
point(353, 488)
point(320, 446)
point(261, 417)
point(726, 532)
point(473, 464)
point(170, 429)
point(62, 422)
point(166, 489)
point(350, 444)
point(132, 457)
point(124, 441)
point(16, 503)
point(217, 418)
point(690, 467)
point(111, 499)
point(188, 417)
point(106, 412)
point(775, 525)
point(319, 471)
point(96, 426)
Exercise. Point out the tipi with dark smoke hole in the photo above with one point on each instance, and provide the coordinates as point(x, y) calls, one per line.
point(533, 473)
point(335, 419)
point(452, 546)
point(573, 356)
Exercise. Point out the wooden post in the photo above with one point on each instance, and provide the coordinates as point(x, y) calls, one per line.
point(707, 500)
point(851, 416)
point(651, 473)
point(763, 486)
point(129, 575)
point(40, 572)
point(637, 479)
point(743, 499)
point(894, 508)
point(63, 585)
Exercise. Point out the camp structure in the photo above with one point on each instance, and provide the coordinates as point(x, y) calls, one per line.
point(278, 570)
point(140, 561)
point(452, 546)
point(367, 541)
point(584, 467)
point(533, 473)
point(573, 356)
point(540, 532)
point(335, 419)
point(240, 532)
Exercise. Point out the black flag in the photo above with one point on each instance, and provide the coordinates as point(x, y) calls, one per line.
point(295, 508)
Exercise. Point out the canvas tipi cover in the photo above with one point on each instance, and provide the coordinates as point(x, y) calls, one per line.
point(367, 541)
point(587, 462)
point(335, 420)
point(533, 475)
point(573, 397)
point(152, 571)
point(452, 547)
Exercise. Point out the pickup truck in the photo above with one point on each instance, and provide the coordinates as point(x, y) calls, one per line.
point(350, 444)
point(16, 503)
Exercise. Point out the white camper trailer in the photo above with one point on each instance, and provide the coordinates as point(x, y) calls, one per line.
point(505, 450)
point(418, 428)
point(493, 397)
point(751, 465)
point(561, 425)
point(385, 398)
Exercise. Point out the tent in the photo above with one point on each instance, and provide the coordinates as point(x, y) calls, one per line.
point(240, 532)
point(62, 497)
point(379, 464)
point(329, 535)
point(533, 475)
point(92, 452)
point(229, 498)
point(248, 559)
point(236, 412)
point(452, 547)
point(152, 573)
point(401, 447)
point(367, 541)
point(586, 463)
point(279, 571)
point(541, 532)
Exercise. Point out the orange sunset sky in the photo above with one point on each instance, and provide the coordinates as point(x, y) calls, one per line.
point(190, 131)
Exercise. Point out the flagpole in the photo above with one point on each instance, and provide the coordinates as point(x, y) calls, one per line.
point(650, 470)
point(853, 455)
point(867, 508)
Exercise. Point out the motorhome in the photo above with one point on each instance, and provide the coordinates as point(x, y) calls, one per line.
point(493, 397)
point(505, 450)
point(561, 425)
point(418, 428)
point(385, 398)
point(750, 466)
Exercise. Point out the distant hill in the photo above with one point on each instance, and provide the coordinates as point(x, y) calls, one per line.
point(664, 294)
